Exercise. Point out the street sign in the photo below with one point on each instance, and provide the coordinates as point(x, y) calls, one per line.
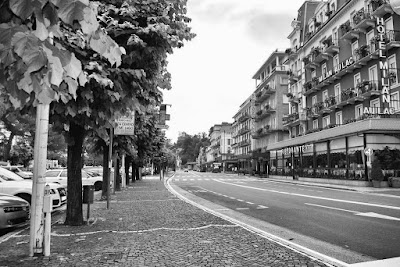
point(162, 126)
point(125, 126)
point(368, 151)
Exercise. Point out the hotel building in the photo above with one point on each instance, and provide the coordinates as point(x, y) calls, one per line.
point(343, 91)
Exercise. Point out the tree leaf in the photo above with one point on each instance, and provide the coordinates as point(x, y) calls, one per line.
point(71, 10)
point(57, 71)
point(26, 83)
point(46, 95)
point(90, 24)
point(28, 47)
point(41, 31)
point(73, 68)
point(22, 8)
point(72, 86)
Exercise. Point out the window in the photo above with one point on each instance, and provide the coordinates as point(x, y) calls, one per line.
point(338, 93)
point(375, 104)
point(394, 101)
point(392, 69)
point(354, 46)
point(314, 100)
point(335, 36)
point(326, 121)
point(339, 118)
point(335, 61)
point(324, 70)
point(324, 95)
point(315, 124)
point(313, 74)
point(358, 111)
point(293, 132)
point(373, 75)
point(357, 79)
point(369, 36)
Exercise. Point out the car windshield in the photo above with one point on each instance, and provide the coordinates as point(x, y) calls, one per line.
point(9, 175)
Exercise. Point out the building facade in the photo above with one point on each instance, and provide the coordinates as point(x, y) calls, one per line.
point(343, 90)
point(221, 138)
point(270, 105)
point(242, 139)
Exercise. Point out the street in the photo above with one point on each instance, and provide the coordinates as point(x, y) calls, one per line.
point(364, 223)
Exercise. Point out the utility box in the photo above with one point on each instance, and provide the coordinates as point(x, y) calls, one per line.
point(88, 194)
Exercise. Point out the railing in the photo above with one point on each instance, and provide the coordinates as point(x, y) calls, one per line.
point(359, 16)
point(392, 36)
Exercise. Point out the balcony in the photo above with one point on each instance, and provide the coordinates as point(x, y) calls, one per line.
point(262, 95)
point(243, 131)
point(292, 53)
point(392, 39)
point(348, 31)
point(244, 143)
point(309, 62)
point(293, 98)
point(318, 56)
point(244, 117)
point(261, 114)
point(363, 20)
point(294, 77)
point(311, 86)
point(291, 119)
point(367, 89)
point(363, 55)
point(261, 132)
point(331, 46)
point(381, 8)
point(269, 110)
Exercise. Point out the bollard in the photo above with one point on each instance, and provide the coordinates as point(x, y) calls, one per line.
point(87, 198)
point(47, 209)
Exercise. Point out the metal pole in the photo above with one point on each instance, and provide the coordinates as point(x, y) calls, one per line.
point(39, 180)
point(109, 166)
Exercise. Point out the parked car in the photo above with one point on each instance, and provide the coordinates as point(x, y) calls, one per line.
point(18, 170)
point(60, 176)
point(216, 170)
point(14, 211)
point(12, 184)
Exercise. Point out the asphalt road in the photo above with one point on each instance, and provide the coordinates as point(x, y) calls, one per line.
point(365, 223)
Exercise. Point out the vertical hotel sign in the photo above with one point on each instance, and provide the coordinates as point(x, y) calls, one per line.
point(383, 64)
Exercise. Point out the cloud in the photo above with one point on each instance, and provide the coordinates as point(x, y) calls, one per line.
point(266, 28)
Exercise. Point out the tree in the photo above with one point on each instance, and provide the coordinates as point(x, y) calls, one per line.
point(88, 88)
point(190, 146)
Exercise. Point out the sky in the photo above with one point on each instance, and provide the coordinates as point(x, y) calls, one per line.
point(212, 74)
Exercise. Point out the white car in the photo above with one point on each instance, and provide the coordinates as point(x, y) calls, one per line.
point(19, 171)
point(12, 184)
point(60, 176)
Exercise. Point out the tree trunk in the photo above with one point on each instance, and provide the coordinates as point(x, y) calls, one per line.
point(118, 180)
point(106, 180)
point(137, 173)
point(8, 146)
point(74, 183)
point(127, 164)
point(133, 171)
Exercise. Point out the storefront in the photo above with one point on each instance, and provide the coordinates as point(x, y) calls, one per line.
point(335, 156)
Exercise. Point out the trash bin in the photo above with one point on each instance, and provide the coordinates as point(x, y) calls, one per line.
point(88, 194)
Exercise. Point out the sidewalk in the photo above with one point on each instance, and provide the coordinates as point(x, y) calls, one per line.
point(387, 191)
point(146, 225)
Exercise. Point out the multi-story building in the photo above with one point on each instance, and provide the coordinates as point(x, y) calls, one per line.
point(241, 135)
point(221, 138)
point(344, 90)
point(270, 105)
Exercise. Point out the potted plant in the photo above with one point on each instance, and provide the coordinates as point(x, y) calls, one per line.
point(394, 182)
point(377, 175)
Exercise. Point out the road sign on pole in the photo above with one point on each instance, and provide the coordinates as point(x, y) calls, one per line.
point(125, 125)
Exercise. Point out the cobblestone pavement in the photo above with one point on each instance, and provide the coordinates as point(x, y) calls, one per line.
point(148, 226)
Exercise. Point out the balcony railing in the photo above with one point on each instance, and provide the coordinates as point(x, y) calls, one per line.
point(244, 117)
point(331, 46)
point(392, 39)
point(348, 31)
point(363, 20)
point(243, 130)
point(381, 7)
point(244, 143)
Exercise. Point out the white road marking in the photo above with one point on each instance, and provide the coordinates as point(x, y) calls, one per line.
point(250, 203)
point(314, 197)
point(240, 200)
point(242, 208)
point(261, 207)
point(358, 213)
